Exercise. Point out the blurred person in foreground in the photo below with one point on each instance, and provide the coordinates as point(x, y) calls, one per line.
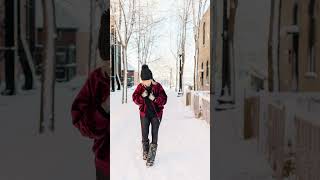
point(91, 108)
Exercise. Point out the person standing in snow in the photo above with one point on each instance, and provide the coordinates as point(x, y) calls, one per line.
point(151, 98)
point(91, 108)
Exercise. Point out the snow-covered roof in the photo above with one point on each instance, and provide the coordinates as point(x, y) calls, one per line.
point(69, 14)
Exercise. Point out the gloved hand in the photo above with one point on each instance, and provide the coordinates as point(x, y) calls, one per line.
point(151, 97)
point(144, 94)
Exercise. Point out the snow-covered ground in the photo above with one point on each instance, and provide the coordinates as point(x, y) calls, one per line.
point(26, 155)
point(233, 157)
point(183, 146)
point(184, 142)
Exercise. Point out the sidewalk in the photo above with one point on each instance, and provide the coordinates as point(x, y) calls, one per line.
point(183, 147)
point(234, 158)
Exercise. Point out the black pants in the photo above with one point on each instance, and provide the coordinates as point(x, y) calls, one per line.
point(145, 124)
point(101, 176)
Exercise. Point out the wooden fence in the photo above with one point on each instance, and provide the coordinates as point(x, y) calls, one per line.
point(307, 146)
point(287, 131)
point(205, 109)
point(276, 139)
point(196, 105)
point(251, 117)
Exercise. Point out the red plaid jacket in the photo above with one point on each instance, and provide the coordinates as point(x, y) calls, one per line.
point(92, 120)
point(158, 103)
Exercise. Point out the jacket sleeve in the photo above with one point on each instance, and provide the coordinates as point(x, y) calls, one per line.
point(136, 96)
point(161, 100)
point(90, 119)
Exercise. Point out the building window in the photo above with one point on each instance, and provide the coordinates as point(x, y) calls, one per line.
point(203, 33)
point(312, 64)
point(312, 67)
point(202, 74)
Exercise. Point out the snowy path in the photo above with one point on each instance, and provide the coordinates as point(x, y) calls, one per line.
point(26, 155)
point(184, 143)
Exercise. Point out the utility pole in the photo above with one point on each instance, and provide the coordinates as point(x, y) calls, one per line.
point(180, 75)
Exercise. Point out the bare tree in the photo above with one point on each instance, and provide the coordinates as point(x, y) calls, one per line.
point(184, 13)
point(145, 36)
point(48, 70)
point(175, 53)
point(125, 14)
point(198, 9)
point(92, 36)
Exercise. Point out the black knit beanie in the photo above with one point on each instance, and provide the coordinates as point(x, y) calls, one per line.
point(104, 36)
point(146, 73)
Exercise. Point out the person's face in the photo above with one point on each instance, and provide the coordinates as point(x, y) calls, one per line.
point(146, 82)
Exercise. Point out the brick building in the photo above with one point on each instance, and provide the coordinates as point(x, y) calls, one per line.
point(204, 61)
point(72, 44)
point(299, 57)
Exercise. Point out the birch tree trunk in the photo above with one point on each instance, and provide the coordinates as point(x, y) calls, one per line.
point(124, 26)
point(92, 44)
point(125, 75)
point(125, 82)
point(48, 71)
point(184, 20)
point(123, 86)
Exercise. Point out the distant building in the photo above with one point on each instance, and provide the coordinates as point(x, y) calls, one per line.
point(204, 60)
point(132, 75)
point(65, 52)
point(72, 44)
